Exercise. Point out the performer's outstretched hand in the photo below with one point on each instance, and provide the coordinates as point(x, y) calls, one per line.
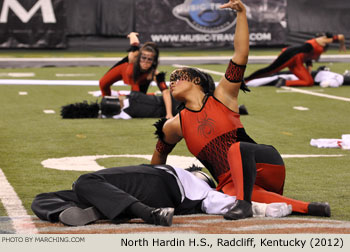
point(234, 5)
point(131, 34)
point(134, 40)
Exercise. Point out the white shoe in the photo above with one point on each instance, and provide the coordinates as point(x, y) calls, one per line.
point(122, 115)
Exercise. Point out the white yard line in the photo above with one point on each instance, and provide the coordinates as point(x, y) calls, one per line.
point(301, 108)
point(59, 82)
point(111, 59)
point(17, 74)
point(49, 111)
point(74, 74)
point(49, 82)
point(22, 222)
point(252, 58)
point(308, 155)
point(303, 91)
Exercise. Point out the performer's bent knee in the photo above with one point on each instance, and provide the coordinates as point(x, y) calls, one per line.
point(85, 181)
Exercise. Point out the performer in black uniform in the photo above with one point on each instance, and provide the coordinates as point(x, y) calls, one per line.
point(136, 191)
point(152, 193)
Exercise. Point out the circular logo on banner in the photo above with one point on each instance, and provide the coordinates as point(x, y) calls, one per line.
point(205, 15)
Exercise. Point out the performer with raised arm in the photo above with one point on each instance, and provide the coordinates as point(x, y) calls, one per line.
point(211, 126)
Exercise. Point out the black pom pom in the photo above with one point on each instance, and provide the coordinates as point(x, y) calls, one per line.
point(80, 110)
point(243, 110)
point(159, 128)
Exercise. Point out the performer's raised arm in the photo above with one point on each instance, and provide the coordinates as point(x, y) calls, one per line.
point(134, 46)
point(228, 88)
point(241, 38)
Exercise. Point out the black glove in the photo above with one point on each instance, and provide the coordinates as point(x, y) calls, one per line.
point(160, 77)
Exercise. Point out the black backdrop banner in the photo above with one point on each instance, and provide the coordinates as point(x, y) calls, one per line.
point(32, 24)
point(179, 23)
point(100, 17)
point(169, 23)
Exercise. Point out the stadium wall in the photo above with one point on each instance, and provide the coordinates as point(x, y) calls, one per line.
point(104, 24)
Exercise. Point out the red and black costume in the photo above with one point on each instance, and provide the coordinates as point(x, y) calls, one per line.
point(123, 70)
point(294, 58)
point(215, 135)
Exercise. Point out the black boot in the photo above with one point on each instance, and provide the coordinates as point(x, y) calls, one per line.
point(319, 209)
point(76, 216)
point(163, 216)
point(241, 209)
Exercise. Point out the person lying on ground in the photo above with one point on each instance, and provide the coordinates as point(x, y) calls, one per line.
point(152, 193)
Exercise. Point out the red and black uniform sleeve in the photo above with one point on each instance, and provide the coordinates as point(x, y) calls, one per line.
point(235, 72)
point(114, 74)
point(162, 146)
